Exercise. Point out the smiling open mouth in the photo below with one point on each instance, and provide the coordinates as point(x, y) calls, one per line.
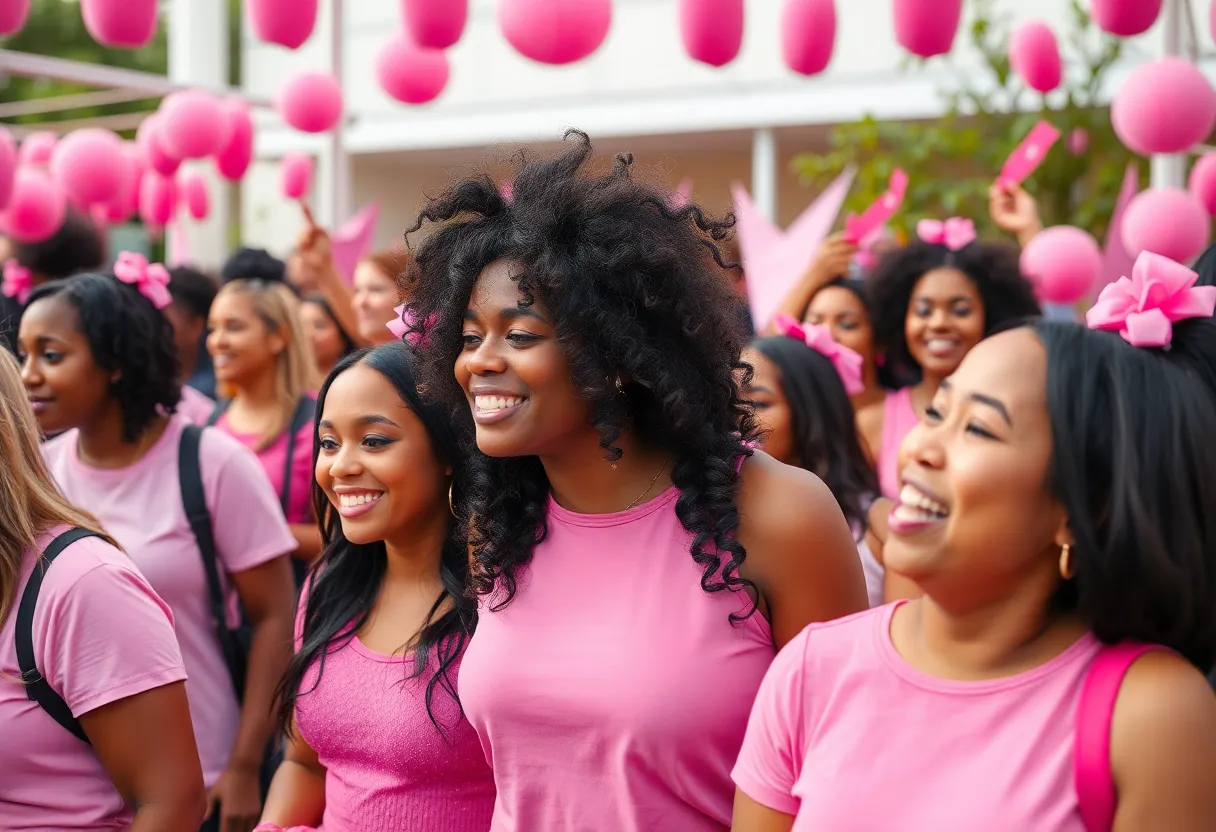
point(915, 510)
point(488, 409)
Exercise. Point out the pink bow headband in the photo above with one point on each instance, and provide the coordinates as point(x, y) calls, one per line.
point(151, 279)
point(955, 233)
point(18, 281)
point(1144, 308)
point(819, 338)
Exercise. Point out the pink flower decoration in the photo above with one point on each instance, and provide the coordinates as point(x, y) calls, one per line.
point(1145, 307)
point(819, 338)
point(151, 279)
point(18, 281)
point(955, 233)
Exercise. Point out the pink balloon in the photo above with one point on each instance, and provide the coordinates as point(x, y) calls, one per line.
point(157, 200)
point(435, 25)
point(1164, 106)
point(311, 102)
point(125, 24)
point(8, 165)
point(808, 35)
point(233, 159)
point(1078, 141)
point(13, 14)
point(88, 165)
point(126, 202)
point(411, 73)
point(712, 30)
point(285, 22)
point(36, 148)
point(148, 139)
point(36, 208)
point(193, 191)
point(1126, 17)
point(296, 172)
point(192, 124)
point(555, 31)
point(927, 27)
point(1063, 262)
point(1034, 55)
point(1202, 183)
point(1166, 221)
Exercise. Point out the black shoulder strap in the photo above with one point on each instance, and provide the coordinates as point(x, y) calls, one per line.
point(36, 686)
point(218, 412)
point(194, 500)
point(303, 414)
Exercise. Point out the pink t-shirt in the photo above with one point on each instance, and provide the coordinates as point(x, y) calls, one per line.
point(846, 735)
point(194, 407)
point(274, 457)
point(898, 418)
point(141, 506)
point(100, 635)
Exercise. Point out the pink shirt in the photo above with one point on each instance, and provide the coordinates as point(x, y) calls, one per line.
point(386, 765)
point(613, 692)
point(898, 418)
point(846, 735)
point(100, 635)
point(274, 457)
point(194, 407)
point(141, 506)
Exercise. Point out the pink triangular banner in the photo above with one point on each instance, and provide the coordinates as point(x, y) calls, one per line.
point(1116, 261)
point(353, 240)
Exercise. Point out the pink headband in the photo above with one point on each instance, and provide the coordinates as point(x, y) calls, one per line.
point(955, 233)
point(819, 338)
point(1145, 307)
point(151, 279)
point(18, 281)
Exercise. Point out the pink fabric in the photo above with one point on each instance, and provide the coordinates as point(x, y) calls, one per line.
point(898, 418)
point(842, 718)
point(195, 407)
point(613, 692)
point(141, 506)
point(100, 635)
point(273, 458)
point(386, 765)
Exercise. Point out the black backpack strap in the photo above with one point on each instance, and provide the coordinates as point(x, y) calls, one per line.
point(36, 686)
point(305, 408)
point(219, 411)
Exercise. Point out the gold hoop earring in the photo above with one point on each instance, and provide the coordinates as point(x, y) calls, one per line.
point(1066, 570)
point(451, 502)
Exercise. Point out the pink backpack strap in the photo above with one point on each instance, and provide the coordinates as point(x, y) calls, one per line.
point(1095, 715)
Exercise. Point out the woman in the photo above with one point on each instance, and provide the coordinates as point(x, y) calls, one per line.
point(328, 340)
point(100, 364)
point(962, 708)
point(376, 293)
point(266, 373)
point(631, 550)
point(385, 614)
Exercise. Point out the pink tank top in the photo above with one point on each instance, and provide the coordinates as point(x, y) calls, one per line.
point(613, 692)
point(898, 417)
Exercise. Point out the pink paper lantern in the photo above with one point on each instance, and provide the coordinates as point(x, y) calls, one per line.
point(148, 139)
point(1202, 183)
point(1166, 221)
point(36, 148)
point(712, 30)
point(927, 27)
point(808, 35)
point(233, 159)
point(192, 125)
point(1034, 55)
point(285, 22)
point(8, 165)
point(1063, 262)
point(555, 31)
point(36, 208)
point(410, 73)
point(193, 191)
point(1126, 17)
point(311, 102)
point(435, 25)
point(88, 164)
point(157, 200)
point(13, 14)
point(125, 24)
point(296, 173)
point(1164, 106)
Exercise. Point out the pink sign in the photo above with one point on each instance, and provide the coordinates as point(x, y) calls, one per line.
point(1026, 159)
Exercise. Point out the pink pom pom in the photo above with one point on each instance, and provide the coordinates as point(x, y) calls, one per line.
point(409, 72)
point(125, 24)
point(1164, 106)
point(1165, 221)
point(712, 30)
point(285, 22)
point(296, 172)
point(88, 164)
point(555, 31)
point(1034, 54)
point(1202, 183)
point(148, 139)
point(36, 208)
point(192, 125)
point(36, 148)
point(233, 159)
point(311, 102)
point(927, 27)
point(193, 192)
point(8, 165)
point(1126, 17)
point(808, 35)
point(435, 25)
point(13, 14)
point(1063, 262)
point(157, 200)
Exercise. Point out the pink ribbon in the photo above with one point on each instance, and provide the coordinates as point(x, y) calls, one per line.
point(151, 279)
point(955, 233)
point(819, 338)
point(1145, 307)
point(18, 281)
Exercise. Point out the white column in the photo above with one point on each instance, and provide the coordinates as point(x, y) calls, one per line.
point(1169, 171)
point(764, 173)
point(338, 167)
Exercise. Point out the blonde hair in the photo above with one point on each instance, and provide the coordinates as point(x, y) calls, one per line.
point(295, 370)
point(30, 502)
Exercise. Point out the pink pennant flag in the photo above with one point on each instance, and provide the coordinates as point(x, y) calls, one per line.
point(1116, 261)
point(880, 213)
point(1026, 159)
point(354, 239)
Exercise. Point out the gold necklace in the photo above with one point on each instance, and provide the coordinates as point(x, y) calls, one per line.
point(657, 474)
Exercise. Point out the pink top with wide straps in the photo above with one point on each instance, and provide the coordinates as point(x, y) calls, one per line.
point(898, 418)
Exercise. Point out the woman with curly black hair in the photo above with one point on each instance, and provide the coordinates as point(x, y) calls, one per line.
point(99, 363)
point(638, 561)
point(931, 302)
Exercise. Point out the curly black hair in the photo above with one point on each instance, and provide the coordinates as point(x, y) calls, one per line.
point(632, 287)
point(253, 264)
point(993, 267)
point(192, 290)
point(127, 333)
point(78, 246)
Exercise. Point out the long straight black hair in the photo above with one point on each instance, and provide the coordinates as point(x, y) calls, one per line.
point(345, 580)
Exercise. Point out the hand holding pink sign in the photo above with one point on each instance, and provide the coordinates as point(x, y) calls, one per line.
point(879, 214)
point(1026, 159)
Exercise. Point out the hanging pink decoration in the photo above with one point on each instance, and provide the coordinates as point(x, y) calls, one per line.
point(1164, 106)
point(13, 14)
point(712, 30)
point(126, 202)
point(233, 159)
point(1063, 263)
point(8, 165)
point(36, 208)
point(927, 27)
point(36, 148)
point(1034, 55)
point(1126, 18)
point(1202, 184)
point(410, 73)
point(555, 31)
point(296, 175)
point(125, 24)
point(88, 165)
point(157, 200)
point(1078, 141)
point(148, 139)
point(285, 22)
point(311, 102)
point(192, 125)
point(193, 191)
point(1166, 221)
point(808, 35)
point(434, 25)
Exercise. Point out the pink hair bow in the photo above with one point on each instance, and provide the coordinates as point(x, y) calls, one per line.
point(1145, 307)
point(400, 326)
point(151, 279)
point(819, 338)
point(18, 281)
point(955, 233)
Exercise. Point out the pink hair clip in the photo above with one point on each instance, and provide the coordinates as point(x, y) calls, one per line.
point(819, 338)
point(18, 281)
point(1145, 307)
point(151, 279)
point(955, 233)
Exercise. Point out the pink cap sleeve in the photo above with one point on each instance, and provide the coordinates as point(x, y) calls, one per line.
point(772, 754)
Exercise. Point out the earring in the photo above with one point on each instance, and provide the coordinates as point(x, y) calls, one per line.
point(451, 502)
point(620, 386)
point(1066, 570)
